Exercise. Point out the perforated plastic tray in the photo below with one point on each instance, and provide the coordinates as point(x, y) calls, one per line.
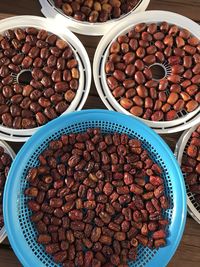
point(185, 120)
point(9, 151)
point(84, 27)
point(21, 232)
point(181, 146)
point(53, 26)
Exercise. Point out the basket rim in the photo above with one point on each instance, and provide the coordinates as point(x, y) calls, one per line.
point(49, 129)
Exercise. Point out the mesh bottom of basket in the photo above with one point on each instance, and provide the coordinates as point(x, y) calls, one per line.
point(191, 197)
point(29, 232)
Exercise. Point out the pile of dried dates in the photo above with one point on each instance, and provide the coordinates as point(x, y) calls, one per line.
point(39, 77)
point(191, 164)
point(95, 197)
point(131, 64)
point(96, 11)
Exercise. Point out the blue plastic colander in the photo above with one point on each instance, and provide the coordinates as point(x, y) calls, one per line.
point(21, 231)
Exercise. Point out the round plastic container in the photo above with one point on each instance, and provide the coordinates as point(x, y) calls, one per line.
point(185, 120)
point(9, 151)
point(193, 206)
point(21, 231)
point(83, 27)
point(53, 26)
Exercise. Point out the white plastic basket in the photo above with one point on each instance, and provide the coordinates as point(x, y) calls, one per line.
point(83, 27)
point(102, 51)
point(53, 26)
point(9, 151)
point(181, 146)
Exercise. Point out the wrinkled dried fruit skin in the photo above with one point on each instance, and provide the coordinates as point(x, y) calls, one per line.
point(53, 82)
point(191, 163)
point(129, 66)
point(96, 192)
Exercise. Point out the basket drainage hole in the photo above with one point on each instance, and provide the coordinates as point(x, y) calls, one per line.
point(159, 71)
point(24, 77)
